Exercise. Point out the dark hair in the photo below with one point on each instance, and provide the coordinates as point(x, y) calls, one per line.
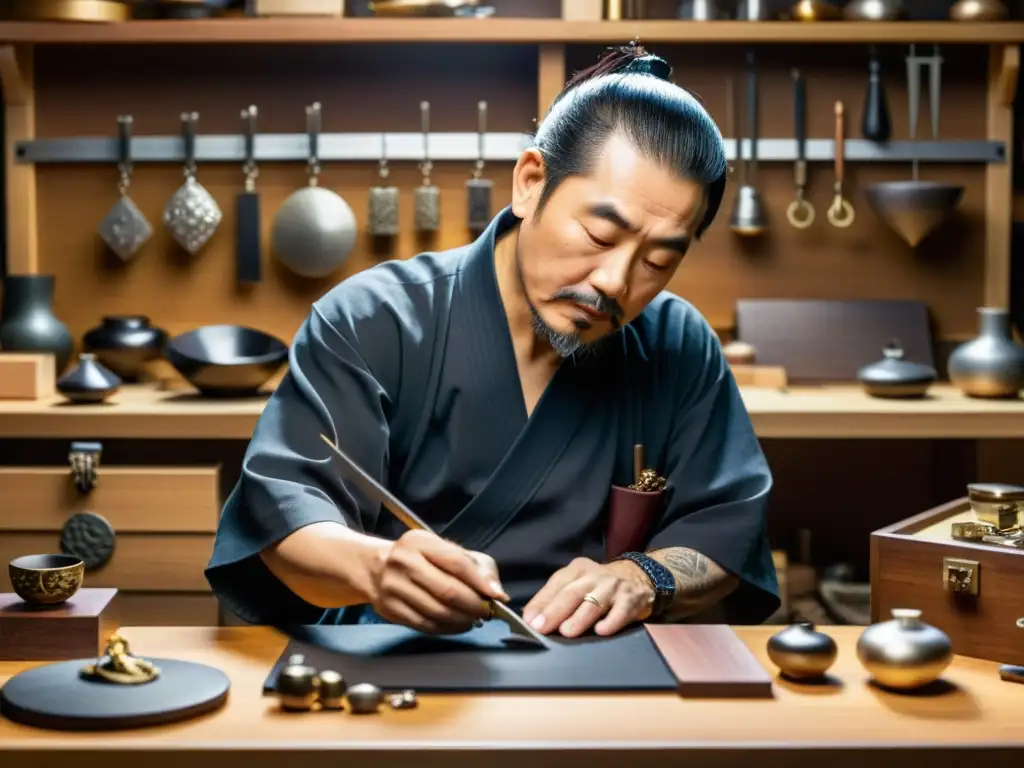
point(629, 91)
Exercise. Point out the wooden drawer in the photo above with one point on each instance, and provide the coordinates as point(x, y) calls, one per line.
point(168, 609)
point(908, 570)
point(132, 499)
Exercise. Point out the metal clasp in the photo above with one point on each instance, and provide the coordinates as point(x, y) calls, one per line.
point(84, 459)
point(961, 576)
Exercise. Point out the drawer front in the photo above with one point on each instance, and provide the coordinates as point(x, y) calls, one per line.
point(168, 609)
point(910, 574)
point(140, 562)
point(132, 499)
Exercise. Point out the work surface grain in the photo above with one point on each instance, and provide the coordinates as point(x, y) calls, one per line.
point(852, 723)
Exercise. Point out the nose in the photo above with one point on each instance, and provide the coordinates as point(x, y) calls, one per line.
point(612, 277)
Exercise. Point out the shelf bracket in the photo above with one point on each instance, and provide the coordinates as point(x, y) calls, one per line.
point(1009, 73)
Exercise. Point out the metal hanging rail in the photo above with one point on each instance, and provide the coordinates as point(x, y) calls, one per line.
point(340, 147)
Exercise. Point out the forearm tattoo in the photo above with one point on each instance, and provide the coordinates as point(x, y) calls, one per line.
point(700, 582)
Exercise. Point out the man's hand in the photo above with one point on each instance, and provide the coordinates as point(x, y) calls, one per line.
point(586, 594)
point(433, 585)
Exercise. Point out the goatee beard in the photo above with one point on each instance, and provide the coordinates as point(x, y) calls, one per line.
point(564, 344)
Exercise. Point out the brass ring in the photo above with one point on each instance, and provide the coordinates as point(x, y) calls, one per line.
point(590, 598)
point(840, 213)
point(800, 214)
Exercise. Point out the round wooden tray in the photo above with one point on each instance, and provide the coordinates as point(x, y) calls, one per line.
point(57, 697)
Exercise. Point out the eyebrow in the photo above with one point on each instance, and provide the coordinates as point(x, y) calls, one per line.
point(612, 214)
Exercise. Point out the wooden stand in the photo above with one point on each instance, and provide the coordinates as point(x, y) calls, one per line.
point(78, 628)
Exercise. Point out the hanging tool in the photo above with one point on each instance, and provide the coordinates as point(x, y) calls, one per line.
point(748, 212)
point(248, 257)
point(478, 189)
point(800, 212)
point(876, 124)
point(840, 213)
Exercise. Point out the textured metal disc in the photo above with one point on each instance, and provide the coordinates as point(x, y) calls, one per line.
point(90, 537)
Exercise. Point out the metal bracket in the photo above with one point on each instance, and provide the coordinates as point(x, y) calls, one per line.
point(497, 147)
point(84, 459)
point(961, 576)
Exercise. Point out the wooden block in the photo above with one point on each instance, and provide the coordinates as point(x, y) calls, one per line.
point(26, 376)
point(762, 376)
point(300, 7)
point(582, 10)
point(710, 661)
point(77, 629)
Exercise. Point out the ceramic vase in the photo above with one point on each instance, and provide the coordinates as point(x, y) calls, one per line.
point(28, 323)
point(991, 365)
point(88, 382)
point(126, 344)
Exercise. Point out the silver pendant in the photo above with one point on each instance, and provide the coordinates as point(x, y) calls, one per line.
point(192, 215)
point(384, 211)
point(427, 208)
point(125, 229)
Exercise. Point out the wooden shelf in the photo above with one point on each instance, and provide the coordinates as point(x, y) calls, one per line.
point(826, 412)
point(507, 30)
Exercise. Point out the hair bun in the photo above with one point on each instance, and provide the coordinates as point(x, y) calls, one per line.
point(650, 64)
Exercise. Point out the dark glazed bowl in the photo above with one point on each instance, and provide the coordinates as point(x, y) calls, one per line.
point(125, 344)
point(46, 579)
point(227, 360)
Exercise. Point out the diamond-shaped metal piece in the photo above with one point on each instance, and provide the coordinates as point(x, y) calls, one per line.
point(192, 215)
point(125, 229)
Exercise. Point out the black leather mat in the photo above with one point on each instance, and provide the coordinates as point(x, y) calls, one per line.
point(393, 657)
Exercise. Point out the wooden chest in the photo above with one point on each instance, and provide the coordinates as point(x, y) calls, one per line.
point(972, 591)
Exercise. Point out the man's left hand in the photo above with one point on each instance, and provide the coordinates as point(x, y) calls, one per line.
point(587, 594)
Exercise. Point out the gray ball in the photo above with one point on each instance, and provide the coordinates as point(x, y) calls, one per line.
point(314, 232)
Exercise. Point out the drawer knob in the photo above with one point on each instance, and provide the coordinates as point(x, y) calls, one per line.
point(84, 459)
point(90, 538)
point(961, 576)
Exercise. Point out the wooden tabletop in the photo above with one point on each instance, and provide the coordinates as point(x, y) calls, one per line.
point(801, 412)
point(976, 723)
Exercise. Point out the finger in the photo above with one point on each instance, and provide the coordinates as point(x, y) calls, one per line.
point(629, 606)
point(587, 613)
point(460, 564)
point(489, 570)
point(447, 589)
point(533, 613)
point(565, 603)
point(425, 604)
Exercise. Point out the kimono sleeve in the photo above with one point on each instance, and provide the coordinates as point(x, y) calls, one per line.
point(717, 480)
point(288, 478)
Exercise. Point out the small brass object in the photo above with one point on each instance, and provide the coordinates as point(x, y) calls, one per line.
point(972, 530)
point(364, 699)
point(404, 700)
point(84, 459)
point(961, 576)
point(331, 689)
point(119, 666)
point(297, 685)
point(649, 481)
point(904, 653)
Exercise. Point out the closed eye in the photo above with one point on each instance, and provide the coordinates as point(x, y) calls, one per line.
point(597, 241)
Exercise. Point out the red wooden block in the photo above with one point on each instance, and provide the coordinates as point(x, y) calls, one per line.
point(77, 629)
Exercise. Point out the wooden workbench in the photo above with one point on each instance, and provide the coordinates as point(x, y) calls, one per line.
point(976, 723)
point(802, 412)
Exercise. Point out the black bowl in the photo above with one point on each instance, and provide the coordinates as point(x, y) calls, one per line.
point(227, 360)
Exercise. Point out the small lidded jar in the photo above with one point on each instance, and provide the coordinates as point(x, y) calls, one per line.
point(997, 503)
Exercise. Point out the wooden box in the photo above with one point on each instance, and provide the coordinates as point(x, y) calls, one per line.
point(972, 591)
point(77, 629)
point(26, 376)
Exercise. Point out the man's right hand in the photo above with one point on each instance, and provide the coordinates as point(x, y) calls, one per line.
point(433, 585)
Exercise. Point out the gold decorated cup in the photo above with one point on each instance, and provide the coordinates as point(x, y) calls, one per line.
point(46, 579)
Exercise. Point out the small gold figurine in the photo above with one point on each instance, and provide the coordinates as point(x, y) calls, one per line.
point(648, 481)
point(118, 665)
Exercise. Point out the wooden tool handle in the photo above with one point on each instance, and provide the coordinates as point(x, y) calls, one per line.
point(840, 142)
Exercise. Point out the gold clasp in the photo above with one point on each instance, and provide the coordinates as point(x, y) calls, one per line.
point(961, 576)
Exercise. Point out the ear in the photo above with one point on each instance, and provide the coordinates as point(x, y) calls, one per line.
point(527, 183)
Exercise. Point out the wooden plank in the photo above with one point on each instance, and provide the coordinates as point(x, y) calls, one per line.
point(710, 661)
point(145, 563)
point(505, 30)
point(132, 499)
point(550, 76)
point(999, 179)
point(17, 75)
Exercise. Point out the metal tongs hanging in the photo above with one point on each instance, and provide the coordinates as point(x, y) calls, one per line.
point(914, 64)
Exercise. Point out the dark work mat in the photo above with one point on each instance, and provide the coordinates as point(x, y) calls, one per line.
point(393, 657)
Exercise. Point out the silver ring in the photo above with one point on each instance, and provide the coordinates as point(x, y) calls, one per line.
point(590, 598)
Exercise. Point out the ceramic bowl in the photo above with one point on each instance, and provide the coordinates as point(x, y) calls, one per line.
point(46, 579)
point(227, 360)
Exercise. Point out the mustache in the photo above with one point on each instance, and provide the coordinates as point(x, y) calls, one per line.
point(594, 299)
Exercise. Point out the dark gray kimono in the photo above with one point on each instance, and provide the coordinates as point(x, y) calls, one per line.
point(409, 367)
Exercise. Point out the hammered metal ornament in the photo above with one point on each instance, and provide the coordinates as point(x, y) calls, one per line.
point(191, 215)
point(478, 189)
point(125, 229)
point(427, 196)
point(383, 200)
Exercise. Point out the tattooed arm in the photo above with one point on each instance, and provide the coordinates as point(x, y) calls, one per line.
point(700, 581)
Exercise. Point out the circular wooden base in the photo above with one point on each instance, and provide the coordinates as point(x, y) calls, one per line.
point(56, 697)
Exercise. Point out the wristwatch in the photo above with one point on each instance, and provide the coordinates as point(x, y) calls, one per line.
point(662, 580)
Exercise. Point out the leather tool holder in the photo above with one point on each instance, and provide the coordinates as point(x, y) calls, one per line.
point(630, 517)
point(248, 257)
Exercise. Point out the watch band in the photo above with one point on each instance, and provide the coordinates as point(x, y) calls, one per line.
point(662, 580)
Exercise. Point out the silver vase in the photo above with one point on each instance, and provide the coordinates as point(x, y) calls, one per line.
point(991, 365)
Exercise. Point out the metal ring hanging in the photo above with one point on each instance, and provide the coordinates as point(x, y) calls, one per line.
point(800, 213)
point(840, 213)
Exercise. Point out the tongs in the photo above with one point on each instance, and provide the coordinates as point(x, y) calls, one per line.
point(521, 631)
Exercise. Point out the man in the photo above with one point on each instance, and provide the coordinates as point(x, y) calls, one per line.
point(499, 389)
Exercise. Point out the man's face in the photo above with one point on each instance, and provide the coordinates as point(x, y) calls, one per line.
point(604, 245)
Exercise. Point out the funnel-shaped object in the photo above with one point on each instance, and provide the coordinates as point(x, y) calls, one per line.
point(913, 208)
point(748, 213)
